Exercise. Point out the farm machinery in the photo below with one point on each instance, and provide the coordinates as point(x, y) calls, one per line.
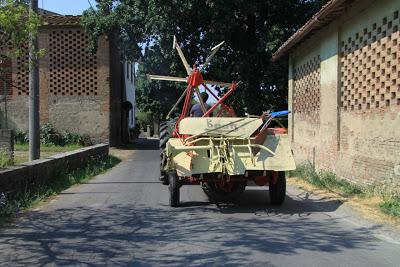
point(220, 151)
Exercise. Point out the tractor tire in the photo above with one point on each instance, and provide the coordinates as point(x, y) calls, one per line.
point(173, 189)
point(164, 137)
point(218, 195)
point(277, 192)
point(164, 134)
point(163, 175)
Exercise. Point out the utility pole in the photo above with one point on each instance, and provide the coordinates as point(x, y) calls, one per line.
point(34, 138)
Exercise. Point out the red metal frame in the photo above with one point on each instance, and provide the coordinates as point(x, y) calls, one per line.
point(194, 81)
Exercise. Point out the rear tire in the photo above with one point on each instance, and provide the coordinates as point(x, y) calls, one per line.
point(164, 137)
point(174, 189)
point(220, 196)
point(277, 192)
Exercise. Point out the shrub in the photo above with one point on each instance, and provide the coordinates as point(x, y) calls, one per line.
point(391, 206)
point(5, 159)
point(49, 136)
point(21, 137)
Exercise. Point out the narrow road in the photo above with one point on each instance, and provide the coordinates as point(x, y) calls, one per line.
point(121, 218)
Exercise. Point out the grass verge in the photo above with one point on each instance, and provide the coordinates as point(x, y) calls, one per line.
point(10, 206)
point(48, 148)
point(389, 204)
point(21, 154)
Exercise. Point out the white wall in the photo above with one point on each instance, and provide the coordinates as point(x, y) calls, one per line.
point(130, 76)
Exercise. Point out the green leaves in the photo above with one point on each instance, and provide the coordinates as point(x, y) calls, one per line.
point(16, 23)
point(252, 32)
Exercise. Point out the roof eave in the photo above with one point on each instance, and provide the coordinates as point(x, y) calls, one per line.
point(321, 18)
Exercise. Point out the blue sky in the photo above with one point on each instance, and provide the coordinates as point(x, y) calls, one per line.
point(66, 7)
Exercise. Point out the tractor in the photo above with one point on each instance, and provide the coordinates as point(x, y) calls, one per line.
point(219, 151)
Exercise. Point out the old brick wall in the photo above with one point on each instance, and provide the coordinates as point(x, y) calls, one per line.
point(370, 95)
point(74, 85)
point(355, 129)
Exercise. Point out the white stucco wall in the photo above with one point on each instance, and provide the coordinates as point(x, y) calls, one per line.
point(130, 76)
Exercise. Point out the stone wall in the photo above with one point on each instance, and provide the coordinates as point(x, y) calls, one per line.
point(16, 179)
point(357, 133)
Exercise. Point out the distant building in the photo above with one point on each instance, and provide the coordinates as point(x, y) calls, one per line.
point(79, 92)
point(344, 90)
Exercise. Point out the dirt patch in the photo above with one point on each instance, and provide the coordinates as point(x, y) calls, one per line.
point(122, 154)
point(367, 207)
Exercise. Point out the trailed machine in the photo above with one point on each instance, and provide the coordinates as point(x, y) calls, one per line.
point(219, 151)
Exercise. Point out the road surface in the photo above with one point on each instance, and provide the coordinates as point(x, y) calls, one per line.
point(121, 218)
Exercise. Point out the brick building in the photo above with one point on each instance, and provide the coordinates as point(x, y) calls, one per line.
point(79, 92)
point(344, 90)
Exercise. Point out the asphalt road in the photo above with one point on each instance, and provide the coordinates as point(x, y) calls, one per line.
point(122, 218)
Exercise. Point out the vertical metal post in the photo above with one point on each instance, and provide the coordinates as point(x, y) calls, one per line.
point(34, 138)
point(5, 105)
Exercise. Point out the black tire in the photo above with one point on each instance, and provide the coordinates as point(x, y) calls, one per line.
point(164, 137)
point(163, 140)
point(220, 196)
point(163, 175)
point(277, 192)
point(173, 189)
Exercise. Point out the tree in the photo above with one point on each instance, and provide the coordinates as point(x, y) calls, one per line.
point(252, 32)
point(18, 26)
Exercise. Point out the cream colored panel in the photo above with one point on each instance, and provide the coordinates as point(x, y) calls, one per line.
point(230, 127)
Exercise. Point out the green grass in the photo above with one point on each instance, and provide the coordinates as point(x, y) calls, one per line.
point(9, 207)
point(21, 154)
point(328, 180)
point(48, 148)
point(391, 206)
point(5, 159)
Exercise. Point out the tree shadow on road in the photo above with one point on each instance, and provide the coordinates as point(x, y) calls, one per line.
point(141, 144)
point(257, 201)
point(189, 235)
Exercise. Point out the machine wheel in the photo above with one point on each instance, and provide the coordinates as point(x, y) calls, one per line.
point(173, 189)
point(221, 196)
point(164, 137)
point(277, 192)
point(163, 175)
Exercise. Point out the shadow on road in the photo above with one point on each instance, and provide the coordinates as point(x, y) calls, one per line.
point(141, 144)
point(257, 201)
point(158, 236)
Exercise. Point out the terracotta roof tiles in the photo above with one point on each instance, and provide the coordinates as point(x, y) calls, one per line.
point(55, 20)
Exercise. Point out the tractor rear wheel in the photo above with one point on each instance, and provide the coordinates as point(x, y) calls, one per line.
point(277, 191)
point(219, 195)
point(173, 189)
point(164, 137)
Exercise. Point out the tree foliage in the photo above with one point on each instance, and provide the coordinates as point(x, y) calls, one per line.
point(252, 31)
point(16, 24)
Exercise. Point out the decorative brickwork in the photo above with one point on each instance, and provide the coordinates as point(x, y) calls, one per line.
point(5, 75)
point(19, 84)
point(73, 70)
point(22, 74)
point(370, 66)
point(307, 83)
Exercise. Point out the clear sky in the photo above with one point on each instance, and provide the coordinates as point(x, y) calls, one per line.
point(66, 7)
